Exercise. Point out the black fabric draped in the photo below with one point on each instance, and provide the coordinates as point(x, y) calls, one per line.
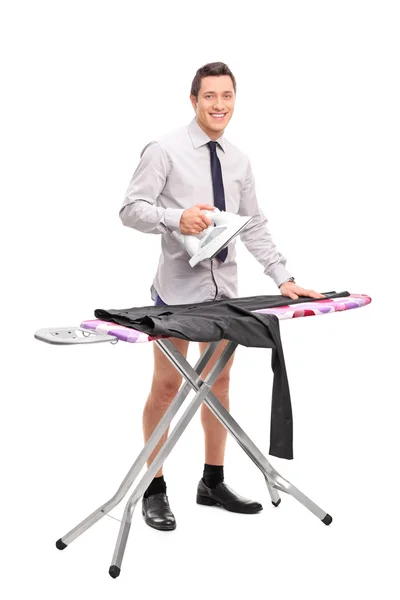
point(229, 319)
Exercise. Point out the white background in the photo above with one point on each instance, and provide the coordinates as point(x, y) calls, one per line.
point(85, 85)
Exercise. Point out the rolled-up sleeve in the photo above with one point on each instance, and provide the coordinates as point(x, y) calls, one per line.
point(139, 209)
point(256, 237)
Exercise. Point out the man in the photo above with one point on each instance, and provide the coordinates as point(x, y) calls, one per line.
point(185, 172)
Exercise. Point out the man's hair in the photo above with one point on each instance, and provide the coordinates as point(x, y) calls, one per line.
point(209, 70)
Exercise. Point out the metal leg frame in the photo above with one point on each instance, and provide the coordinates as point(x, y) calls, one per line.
point(203, 389)
point(273, 479)
point(142, 457)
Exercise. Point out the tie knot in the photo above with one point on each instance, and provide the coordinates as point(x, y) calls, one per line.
point(212, 146)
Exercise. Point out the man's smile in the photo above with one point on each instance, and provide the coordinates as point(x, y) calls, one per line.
point(218, 116)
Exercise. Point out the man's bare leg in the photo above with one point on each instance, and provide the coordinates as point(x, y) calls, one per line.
point(215, 433)
point(212, 490)
point(165, 386)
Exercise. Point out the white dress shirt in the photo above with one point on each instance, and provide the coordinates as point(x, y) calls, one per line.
point(174, 174)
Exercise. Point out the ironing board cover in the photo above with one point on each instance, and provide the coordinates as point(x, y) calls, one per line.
point(304, 309)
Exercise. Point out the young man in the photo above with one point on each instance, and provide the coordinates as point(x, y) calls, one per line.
point(183, 173)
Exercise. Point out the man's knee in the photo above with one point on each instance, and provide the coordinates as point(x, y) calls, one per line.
point(222, 383)
point(164, 390)
point(166, 379)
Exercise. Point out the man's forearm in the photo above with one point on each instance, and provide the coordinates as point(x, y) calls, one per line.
point(260, 244)
point(145, 217)
point(257, 237)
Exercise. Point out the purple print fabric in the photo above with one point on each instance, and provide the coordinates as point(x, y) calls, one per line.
point(318, 307)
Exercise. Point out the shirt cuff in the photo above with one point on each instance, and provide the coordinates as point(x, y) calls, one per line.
point(279, 274)
point(172, 217)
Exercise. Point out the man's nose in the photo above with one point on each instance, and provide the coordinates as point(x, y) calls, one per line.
point(218, 104)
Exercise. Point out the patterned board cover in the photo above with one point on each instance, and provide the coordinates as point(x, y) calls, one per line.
point(304, 309)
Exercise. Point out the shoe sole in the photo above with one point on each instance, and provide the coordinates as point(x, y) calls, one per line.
point(211, 502)
point(165, 528)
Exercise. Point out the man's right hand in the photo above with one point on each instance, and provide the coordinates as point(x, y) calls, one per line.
point(193, 221)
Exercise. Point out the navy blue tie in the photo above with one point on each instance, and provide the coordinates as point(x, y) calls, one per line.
point(218, 187)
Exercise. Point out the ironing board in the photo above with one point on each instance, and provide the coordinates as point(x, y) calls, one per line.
point(96, 331)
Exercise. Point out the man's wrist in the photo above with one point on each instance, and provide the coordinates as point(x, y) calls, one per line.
point(286, 281)
point(172, 218)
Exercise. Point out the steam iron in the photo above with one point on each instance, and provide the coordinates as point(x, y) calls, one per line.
point(207, 244)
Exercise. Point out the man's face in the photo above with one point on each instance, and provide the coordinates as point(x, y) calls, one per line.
point(214, 105)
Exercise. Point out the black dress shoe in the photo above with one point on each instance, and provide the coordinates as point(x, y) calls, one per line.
point(157, 513)
point(224, 496)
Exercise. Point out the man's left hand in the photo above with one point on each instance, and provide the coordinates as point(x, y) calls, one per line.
point(293, 290)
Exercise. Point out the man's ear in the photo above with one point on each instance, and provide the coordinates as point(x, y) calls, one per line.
point(193, 100)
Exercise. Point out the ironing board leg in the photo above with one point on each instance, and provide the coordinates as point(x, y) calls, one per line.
point(143, 456)
point(273, 479)
point(202, 389)
point(275, 498)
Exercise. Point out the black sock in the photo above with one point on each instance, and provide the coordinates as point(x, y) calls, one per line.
point(157, 486)
point(213, 475)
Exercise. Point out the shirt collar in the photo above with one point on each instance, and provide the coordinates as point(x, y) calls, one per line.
point(200, 138)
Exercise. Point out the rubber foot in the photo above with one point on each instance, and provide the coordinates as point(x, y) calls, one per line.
point(277, 503)
point(327, 519)
point(114, 571)
point(60, 544)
